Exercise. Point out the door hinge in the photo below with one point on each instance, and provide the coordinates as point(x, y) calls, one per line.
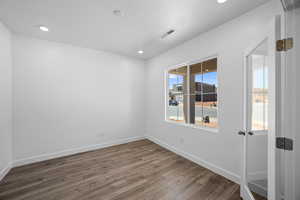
point(284, 44)
point(284, 143)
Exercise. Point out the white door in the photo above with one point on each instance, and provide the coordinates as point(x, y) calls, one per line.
point(289, 189)
point(260, 116)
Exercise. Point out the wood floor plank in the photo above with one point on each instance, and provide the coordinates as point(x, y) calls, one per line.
point(138, 170)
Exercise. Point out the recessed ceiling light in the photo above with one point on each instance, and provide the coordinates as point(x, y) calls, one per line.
point(117, 12)
point(44, 28)
point(140, 51)
point(222, 1)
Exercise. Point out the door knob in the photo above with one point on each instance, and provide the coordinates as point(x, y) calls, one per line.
point(241, 133)
point(250, 133)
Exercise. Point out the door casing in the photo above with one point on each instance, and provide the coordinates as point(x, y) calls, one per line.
point(272, 34)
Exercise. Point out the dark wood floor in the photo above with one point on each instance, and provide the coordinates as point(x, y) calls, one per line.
point(138, 170)
point(258, 197)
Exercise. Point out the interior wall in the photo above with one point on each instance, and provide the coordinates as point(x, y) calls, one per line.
point(68, 98)
point(221, 151)
point(5, 100)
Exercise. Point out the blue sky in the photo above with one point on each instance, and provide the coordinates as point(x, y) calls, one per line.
point(210, 78)
point(260, 71)
point(260, 78)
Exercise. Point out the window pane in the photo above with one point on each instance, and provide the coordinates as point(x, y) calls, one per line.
point(259, 92)
point(210, 110)
point(210, 97)
point(266, 97)
point(177, 88)
point(175, 109)
point(210, 81)
point(198, 109)
point(203, 88)
point(257, 111)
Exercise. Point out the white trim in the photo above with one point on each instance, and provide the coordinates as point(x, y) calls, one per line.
point(254, 45)
point(188, 96)
point(223, 172)
point(192, 62)
point(5, 171)
point(245, 191)
point(258, 189)
point(287, 172)
point(218, 170)
point(69, 152)
point(259, 175)
point(274, 121)
point(273, 112)
point(208, 129)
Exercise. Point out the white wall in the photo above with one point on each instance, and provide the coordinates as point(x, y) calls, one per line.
point(5, 100)
point(222, 150)
point(68, 98)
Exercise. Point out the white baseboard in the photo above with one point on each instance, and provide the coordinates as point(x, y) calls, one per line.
point(259, 175)
point(5, 171)
point(258, 189)
point(223, 172)
point(21, 162)
point(229, 175)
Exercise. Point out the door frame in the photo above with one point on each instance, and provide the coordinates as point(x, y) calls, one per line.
point(245, 191)
point(272, 34)
point(275, 107)
point(287, 189)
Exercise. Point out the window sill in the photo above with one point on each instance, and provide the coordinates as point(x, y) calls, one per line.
point(208, 129)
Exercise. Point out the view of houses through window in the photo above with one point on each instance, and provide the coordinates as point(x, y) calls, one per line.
point(192, 94)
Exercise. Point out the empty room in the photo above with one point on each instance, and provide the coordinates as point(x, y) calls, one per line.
point(149, 100)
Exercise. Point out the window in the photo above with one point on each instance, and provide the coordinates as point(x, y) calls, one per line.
point(259, 92)
point(192, 94)
point(177, 94)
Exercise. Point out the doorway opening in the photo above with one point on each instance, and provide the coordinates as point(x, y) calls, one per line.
point(257, 122)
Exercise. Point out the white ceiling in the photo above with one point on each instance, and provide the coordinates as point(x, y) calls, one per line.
point(91, 23)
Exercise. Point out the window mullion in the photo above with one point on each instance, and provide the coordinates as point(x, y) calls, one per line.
point(201, 93)
point(264, 94)
point(188, 95)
